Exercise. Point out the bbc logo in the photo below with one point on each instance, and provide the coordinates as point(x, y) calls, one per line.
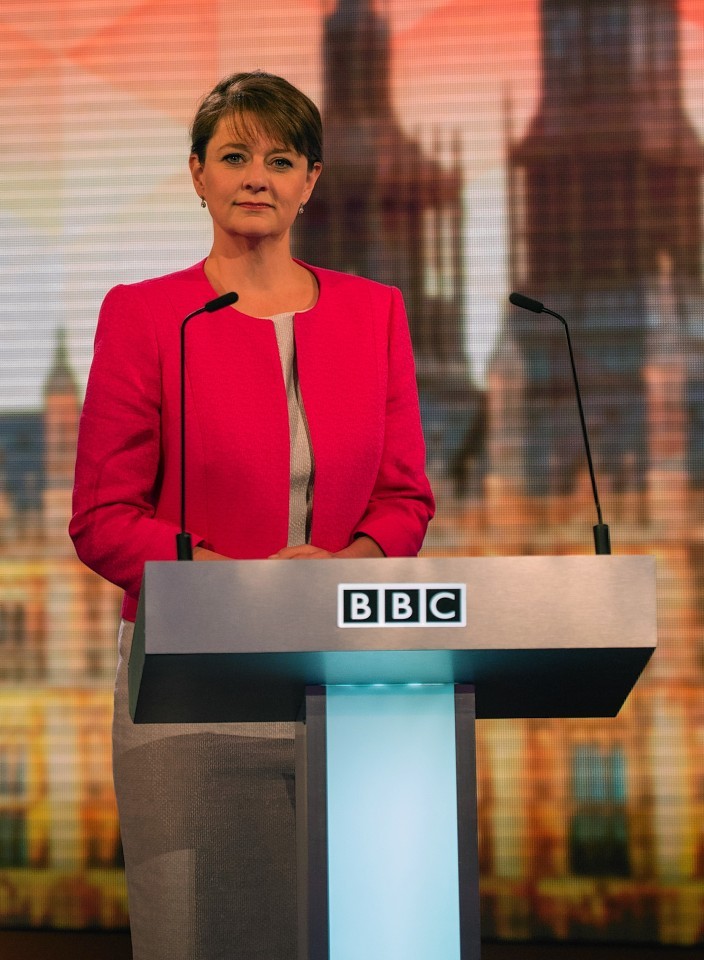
point(401, 605)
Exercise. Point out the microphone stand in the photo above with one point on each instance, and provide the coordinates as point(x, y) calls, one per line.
point(602, 539)
point(184, 546)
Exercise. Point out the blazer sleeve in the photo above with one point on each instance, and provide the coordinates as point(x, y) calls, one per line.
point(114, 527)
point(401, 504)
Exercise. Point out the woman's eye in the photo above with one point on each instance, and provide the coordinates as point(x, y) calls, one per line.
point(282, 162)
point(233, 158)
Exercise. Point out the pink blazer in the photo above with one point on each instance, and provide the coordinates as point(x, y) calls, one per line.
point(359, 392)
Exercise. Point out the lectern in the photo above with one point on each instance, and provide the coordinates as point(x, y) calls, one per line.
point(386, 664)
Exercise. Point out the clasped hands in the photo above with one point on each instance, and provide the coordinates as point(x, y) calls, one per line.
point(361, 547)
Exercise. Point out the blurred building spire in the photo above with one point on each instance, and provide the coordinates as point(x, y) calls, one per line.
point(390, 207)
point(607, 183)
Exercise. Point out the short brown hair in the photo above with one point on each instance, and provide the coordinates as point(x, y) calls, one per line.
point(277, 108)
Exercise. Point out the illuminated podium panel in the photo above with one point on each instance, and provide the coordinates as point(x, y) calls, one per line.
point(386, 664)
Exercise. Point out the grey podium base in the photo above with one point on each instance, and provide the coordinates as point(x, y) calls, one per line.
point(335, 909)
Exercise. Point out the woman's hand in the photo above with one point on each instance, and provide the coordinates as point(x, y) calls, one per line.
point(202, 553)
point(359, 548)
point(302, 551)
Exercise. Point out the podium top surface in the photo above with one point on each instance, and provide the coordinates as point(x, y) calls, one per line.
point(538, 636)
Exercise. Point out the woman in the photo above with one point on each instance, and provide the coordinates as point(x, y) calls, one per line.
point(304, 441)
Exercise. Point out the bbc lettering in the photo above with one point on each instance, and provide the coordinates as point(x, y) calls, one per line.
point(401, 605)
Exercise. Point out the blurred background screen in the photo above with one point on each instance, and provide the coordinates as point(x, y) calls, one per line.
point(472, 147)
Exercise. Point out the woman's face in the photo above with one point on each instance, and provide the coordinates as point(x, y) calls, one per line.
point(253, 186)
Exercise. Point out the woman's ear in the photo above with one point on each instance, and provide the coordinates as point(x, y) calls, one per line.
point(196, 168)
point(311, 180)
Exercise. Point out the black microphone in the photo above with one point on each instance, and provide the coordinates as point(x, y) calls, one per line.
point(184, 547)
point(518, 300)
point(602, 539)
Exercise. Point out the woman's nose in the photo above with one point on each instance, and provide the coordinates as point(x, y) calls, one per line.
point(255, 178)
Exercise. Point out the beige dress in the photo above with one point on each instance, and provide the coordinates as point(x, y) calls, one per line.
point(207, 810)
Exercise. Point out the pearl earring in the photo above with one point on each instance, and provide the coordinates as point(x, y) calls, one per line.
point(301, 210)
point(202, 202)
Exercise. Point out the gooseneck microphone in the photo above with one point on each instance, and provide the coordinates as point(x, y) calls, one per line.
point(602, 539)
point(184, 547)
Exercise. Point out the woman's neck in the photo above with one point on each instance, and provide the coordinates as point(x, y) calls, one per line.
point(266, 278)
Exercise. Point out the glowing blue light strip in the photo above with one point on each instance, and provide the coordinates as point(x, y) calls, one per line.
point(392, 823)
